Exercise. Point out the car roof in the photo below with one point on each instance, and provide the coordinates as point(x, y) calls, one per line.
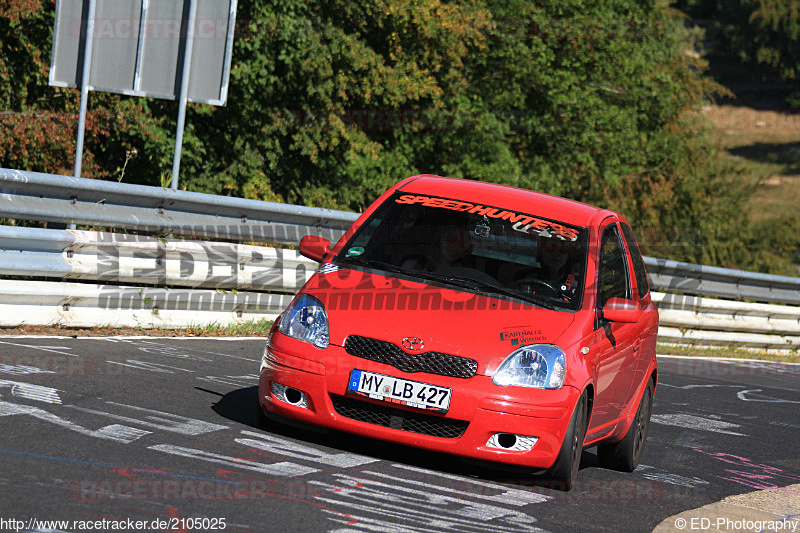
point(503, 196)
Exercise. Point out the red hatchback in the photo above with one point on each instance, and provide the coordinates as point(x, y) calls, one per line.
point(474, 319)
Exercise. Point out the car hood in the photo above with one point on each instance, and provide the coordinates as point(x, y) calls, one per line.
point(480, 327)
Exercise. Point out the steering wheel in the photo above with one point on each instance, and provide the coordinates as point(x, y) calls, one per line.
point(525, 283)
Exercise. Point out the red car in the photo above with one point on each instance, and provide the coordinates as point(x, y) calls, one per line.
point(474, 319)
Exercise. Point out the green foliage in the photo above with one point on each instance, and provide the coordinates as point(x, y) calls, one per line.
point(29, 133)
point(38, 123)
point(776, 246)
point(759, 33)
point(320, 95)
point(331, 102)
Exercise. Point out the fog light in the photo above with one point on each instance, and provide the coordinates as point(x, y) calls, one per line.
point(511, 442)
point(289, 395)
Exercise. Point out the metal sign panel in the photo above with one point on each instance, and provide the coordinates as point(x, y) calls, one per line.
point(138, 47)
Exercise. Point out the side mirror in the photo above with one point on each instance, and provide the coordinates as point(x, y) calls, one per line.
point(621, 310)
point(315, 248)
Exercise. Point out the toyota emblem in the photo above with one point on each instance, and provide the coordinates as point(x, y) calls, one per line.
point(413, 344)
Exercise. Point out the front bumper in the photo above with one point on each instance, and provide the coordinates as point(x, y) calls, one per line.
point(479, 409)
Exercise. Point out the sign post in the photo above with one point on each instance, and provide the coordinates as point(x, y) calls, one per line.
point(172, 49)
point(184, 94)
point(87, 62)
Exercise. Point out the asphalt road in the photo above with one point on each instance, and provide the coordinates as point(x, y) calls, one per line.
point(164, 432)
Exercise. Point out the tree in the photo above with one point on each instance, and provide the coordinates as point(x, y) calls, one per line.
point(30, 136)
point(322, 94)
point(331, 102)
point(38, 123)
point(757, 33)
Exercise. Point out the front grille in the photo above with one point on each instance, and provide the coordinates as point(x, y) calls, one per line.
point(390, 354)
point(381, 415)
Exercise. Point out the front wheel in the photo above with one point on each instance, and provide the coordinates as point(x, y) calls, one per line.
point(625, 454)
point(565, 469)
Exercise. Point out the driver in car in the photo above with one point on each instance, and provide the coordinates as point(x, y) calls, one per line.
point(450, 247)
point(555, 277)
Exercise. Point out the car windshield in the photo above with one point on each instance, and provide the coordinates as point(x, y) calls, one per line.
point(478, 248)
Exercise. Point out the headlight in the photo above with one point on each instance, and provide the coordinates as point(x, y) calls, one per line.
point(540, 366)
point(306, 320)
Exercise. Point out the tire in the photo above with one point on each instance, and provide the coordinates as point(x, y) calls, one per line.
point(625, 454)
point(564, 471)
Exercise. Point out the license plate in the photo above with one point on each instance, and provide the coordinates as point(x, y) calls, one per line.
point(400, 391)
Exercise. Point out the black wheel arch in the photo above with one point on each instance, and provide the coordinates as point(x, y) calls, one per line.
point(589, 390)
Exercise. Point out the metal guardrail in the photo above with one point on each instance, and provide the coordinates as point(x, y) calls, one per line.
point(691, 309)
point(688, 278)
point(709, 321)
point(245, 278)
point(54, 198)
point(741, 310)
point(123, 258)
point(91, 305)
point(250, 282)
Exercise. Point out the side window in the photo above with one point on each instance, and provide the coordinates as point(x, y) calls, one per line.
point(613, 278)
point(638, 264)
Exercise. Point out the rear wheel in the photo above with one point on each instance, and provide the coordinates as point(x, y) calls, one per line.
point(625, 454)
point(565, 469)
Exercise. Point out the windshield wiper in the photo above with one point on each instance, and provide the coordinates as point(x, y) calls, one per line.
point(372, 263)
point(412, 273)
point(456, 281)
point(485, 287)
point(505, 291)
